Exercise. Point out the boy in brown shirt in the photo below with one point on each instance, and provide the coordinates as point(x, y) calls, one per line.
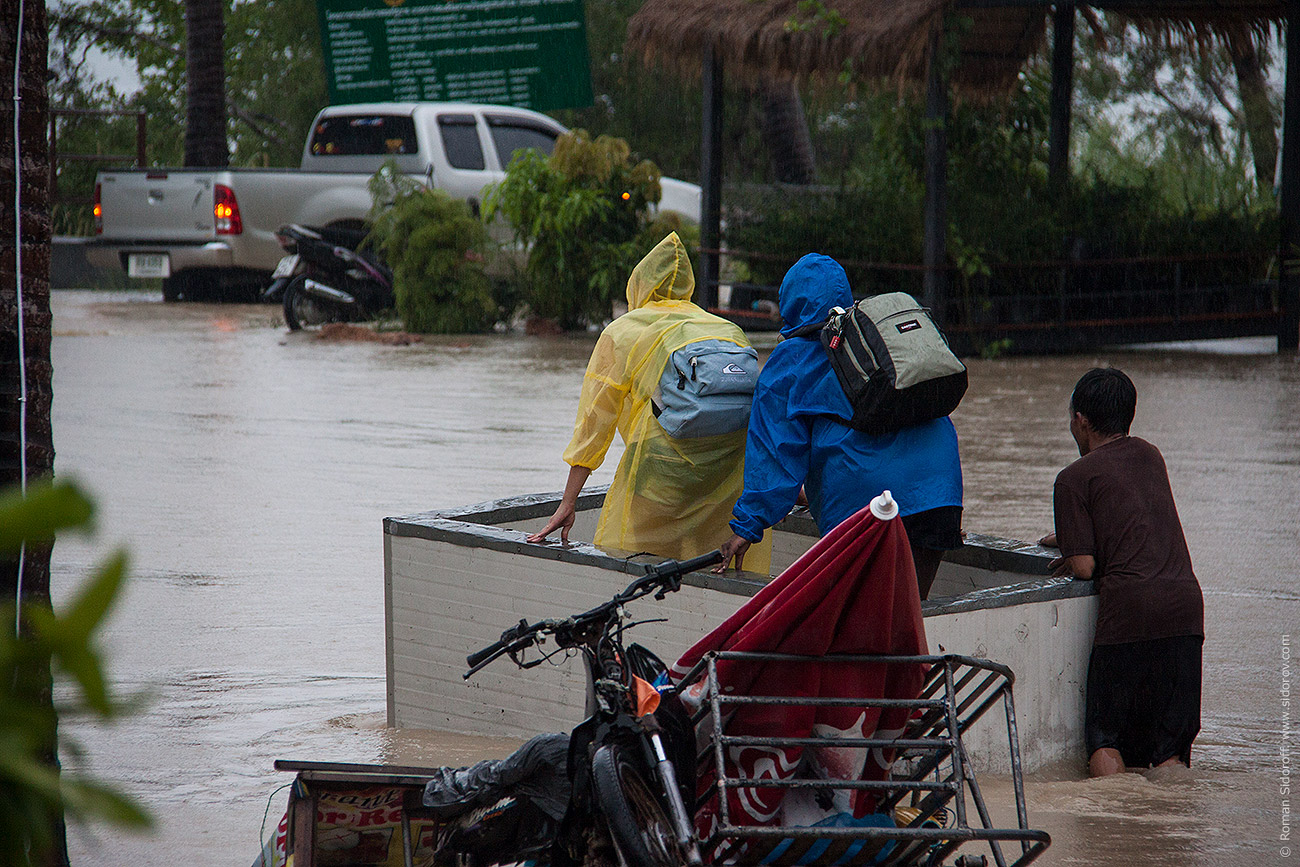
point(1116, 524)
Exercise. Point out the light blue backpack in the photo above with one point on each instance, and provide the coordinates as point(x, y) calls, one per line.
point(706, 389)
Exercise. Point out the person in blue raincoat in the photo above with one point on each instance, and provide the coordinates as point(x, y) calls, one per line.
point(799, 437)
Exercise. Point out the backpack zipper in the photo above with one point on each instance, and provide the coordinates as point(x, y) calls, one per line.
point(907, 311)
point(862, 339)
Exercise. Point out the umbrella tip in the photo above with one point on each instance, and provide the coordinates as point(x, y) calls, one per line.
point(884, 507)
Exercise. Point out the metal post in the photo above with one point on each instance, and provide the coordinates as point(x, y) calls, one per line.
point(54, 158)
point(711, 180)
point(1178, 290)
point(936, 183)
point(140, 140)
point(1058, 155)
point(1288, 327)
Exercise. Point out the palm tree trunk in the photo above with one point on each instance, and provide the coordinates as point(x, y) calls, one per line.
point(205, 84)
point(785, 130)
point(1261, 121)
point(25, 373)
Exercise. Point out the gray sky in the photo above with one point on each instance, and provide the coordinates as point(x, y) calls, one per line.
point(114, 70)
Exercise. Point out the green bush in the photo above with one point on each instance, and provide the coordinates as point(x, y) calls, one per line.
point(854, 224)
point(436, 249)
point(582, 215)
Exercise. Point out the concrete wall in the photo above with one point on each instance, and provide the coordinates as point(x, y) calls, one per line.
point(455, 580)
point(1046, 643)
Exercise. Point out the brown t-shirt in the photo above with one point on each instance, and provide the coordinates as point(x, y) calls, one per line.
point(1115, 504)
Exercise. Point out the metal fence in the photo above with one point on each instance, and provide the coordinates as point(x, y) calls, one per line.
point(1063, 304)
point(56, 157)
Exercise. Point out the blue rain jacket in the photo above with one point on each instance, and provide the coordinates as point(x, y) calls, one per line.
point(798, 431)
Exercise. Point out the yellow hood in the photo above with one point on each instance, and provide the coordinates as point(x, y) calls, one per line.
point(663, 275)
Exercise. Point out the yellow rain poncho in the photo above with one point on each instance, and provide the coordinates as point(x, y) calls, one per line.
point(670, 497)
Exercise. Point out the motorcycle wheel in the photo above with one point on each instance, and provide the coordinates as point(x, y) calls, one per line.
point(304, 310)
point(638, 822)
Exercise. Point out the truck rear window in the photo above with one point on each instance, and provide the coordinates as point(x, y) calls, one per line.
point(363, 135)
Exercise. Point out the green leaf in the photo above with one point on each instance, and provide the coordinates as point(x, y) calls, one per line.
point(70, 637)
point(47, 509)
point(88, 799)
point(93, 600)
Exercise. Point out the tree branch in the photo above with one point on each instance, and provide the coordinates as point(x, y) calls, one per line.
point(1217, 89)
point(251, 118)
point(61, 19)
point(1192, 116)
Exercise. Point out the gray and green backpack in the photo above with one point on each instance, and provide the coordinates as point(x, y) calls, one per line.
point(892, 361)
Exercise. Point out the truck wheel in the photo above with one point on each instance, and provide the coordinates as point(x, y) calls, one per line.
point(304, 310)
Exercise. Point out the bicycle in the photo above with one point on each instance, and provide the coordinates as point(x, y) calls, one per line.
point(632, 761)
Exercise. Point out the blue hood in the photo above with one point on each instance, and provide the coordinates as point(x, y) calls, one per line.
point(814, 285)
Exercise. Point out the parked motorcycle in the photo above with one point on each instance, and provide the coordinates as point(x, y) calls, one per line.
point(624, 775)
point(324, 278)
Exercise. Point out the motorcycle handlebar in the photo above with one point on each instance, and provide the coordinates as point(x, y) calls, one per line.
point(658, 579)
point(682, 567)
point(509, 639)
point(481, 656)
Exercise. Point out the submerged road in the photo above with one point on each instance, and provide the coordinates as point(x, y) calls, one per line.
point(248, 471)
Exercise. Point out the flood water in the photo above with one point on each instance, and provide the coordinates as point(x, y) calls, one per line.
point(248, 471)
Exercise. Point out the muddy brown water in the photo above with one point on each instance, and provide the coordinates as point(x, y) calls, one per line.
point(248, 471)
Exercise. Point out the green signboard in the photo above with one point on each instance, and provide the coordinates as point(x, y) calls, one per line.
point(529, 53)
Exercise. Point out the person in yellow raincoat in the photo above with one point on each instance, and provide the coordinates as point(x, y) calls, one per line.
point(670, 497)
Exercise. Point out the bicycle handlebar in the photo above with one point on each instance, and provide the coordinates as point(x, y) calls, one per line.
point(659, 579)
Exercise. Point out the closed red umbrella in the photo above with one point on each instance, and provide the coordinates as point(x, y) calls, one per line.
point(854, 592)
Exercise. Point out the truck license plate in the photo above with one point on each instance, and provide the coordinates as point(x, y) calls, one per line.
point(286, 267)
point(148, 265)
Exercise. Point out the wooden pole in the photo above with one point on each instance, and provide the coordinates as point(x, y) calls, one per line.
point(935, 249)
point(710, 181)
point(1058, 155)
point(1288, 329)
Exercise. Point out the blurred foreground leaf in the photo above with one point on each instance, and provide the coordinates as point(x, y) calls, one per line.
point(46, 510)
point(33, 792)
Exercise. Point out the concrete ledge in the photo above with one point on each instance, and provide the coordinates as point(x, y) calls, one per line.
point(495, 525)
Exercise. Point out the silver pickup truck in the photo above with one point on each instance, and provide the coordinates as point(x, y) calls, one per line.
point(211, 232)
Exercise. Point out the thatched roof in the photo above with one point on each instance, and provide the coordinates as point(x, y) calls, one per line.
point(892, 38)
point(1196, 23)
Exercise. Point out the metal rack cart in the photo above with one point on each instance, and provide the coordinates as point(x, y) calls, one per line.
point(932, 771)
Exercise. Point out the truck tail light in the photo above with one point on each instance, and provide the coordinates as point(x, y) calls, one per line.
point(99, 213)
point(226, 210)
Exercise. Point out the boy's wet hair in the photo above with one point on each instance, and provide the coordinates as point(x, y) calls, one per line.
point(1106, 397)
